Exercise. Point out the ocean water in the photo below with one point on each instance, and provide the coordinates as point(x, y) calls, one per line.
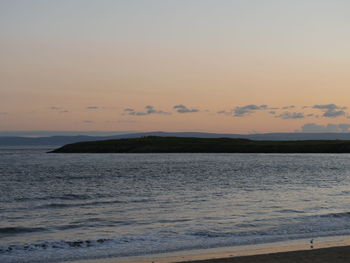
point(57, 207)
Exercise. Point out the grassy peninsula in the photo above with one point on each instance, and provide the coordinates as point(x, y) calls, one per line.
point(155, 144)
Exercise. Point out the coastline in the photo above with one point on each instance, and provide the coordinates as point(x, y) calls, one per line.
point(156, 144)
point(325, 249)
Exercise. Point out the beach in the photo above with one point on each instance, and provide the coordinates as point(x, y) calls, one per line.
point(169, 207)
point(323, 255)
point(330, 249)
point(167, 131)
point(334, 254)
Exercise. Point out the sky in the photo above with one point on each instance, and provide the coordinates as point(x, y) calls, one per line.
point(239, 66)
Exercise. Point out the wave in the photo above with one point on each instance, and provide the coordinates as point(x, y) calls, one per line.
point(19, 230)
point(331, 224)
point(65, 205)
point(211, 234)
point(337, 215)
point(305, 226)
point(53, 245)
point(61, 197)
point(290, 211)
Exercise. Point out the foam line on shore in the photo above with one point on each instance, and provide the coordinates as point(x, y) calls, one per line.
point(218, 254)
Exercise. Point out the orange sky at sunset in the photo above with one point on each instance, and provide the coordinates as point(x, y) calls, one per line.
point(228, 66)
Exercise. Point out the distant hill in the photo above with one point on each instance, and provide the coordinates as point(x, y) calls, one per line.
point(156, 144)
point(62, 140)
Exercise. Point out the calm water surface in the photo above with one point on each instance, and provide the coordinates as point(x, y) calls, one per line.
point(56, 207)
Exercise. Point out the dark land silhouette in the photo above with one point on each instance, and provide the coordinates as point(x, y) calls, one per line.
point(62, 140)
point(156, 144)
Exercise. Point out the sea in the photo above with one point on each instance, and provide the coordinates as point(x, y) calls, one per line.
point(61, 207)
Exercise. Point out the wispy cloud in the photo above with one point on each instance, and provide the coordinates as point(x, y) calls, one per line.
point(330, 110)
point(224, 112)
point(149, 110)
point(122, 121)
point(183, 109)
point(291, 115)
point(288, 107)
point(313, 127)
point(88, 121)
point(241, 111)
point(55, 108)
point(59, 109)
point(92, 108)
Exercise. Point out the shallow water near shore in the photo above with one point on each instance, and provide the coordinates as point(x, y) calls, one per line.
point(56, 207)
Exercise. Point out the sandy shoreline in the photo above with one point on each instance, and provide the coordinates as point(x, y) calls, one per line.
point(330, 249)
point(322, 255)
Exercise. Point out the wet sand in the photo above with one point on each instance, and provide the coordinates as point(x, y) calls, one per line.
point(330, 249)
point(322, 255)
